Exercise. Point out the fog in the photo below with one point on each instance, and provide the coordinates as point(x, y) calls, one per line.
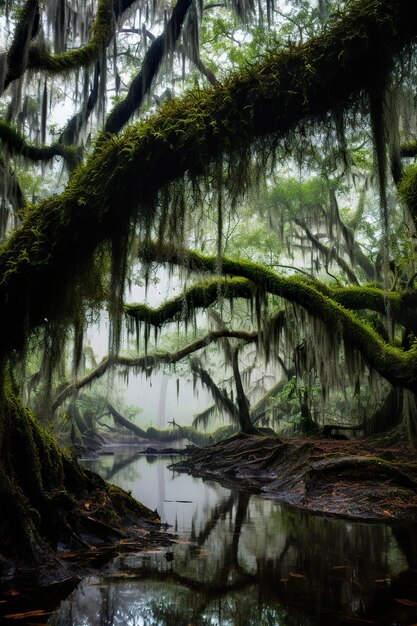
point(159, 395)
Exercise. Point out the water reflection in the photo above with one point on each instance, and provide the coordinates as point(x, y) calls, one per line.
point(246, 561)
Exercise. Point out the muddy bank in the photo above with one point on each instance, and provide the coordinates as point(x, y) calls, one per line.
point(31, 595)
point(358, 480)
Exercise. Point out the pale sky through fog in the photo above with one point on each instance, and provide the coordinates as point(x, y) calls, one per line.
point(157, 394)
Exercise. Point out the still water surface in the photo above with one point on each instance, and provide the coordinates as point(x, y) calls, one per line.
point(244, 561)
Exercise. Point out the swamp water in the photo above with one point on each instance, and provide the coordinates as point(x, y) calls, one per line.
point(242, 560)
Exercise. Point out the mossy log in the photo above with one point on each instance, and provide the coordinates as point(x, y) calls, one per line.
point(175, 433)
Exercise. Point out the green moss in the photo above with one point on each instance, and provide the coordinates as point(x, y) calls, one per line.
point(102, 31)
point(125, 507)
point(408, 189)
point(200, 295)
point(409, 148)
point(396, 365)
point(16, 144)
point(34, 454)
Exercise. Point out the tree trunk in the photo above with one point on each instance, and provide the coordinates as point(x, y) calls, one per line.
point(245, 422)
point(410, 415)
point(122, 421)
point(43, 492)
point(389, 414)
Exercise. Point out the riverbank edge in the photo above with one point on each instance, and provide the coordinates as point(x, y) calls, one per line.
point(358, 480)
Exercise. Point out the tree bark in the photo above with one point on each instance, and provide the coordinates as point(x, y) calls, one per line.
point(245, 422)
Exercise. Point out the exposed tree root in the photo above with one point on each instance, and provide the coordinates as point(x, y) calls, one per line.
point(360, 480)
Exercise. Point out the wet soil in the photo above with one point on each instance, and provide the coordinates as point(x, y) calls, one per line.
point(363, 480)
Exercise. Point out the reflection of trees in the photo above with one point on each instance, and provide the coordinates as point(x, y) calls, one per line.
point(121, 464)
point(406, 538)
point(224, 527)
point(268, 565)
point(325, 567)
point(161, 490)
point(218, 512)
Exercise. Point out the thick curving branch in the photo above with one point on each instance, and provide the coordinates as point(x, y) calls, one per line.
point(148, 362)
point(16, 143)
point(398, 366)
point(141, 84)
point(201, 295)
point(39, 58)
point(402, 304)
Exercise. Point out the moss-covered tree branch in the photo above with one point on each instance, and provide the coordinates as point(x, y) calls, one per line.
point(200, 295)
point(397, 366)
point(37, 57)
point(148, 361)
point(16, 143)
point(401, 304)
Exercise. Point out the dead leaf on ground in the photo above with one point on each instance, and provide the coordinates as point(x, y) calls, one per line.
point(28, 614)
point(406, 601)
point(67, 555)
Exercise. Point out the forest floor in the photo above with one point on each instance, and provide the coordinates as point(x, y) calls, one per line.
point(362, 480)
